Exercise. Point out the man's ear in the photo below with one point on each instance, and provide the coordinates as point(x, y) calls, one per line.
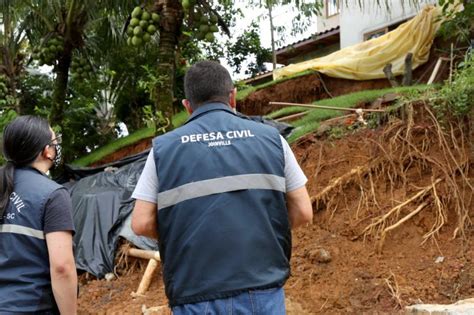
point(232, 98)
point(187, 104)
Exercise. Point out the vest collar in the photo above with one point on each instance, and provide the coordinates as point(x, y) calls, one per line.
point(209, 107)
point(32, 169)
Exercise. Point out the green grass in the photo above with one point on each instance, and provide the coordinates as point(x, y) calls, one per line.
point(120, 143)
point(310, 122)
point(307, 124)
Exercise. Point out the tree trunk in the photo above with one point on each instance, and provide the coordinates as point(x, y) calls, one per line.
point(172, 17)
point(56, 115)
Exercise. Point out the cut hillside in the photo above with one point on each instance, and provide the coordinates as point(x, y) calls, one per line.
point(310, 86)
point(305, 87)
point(359, 255)
point(393, 206)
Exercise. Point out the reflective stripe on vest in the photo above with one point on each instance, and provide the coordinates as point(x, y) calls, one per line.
point(19, 229)
point(220, 185)
point(25, 287)
point(223, 221)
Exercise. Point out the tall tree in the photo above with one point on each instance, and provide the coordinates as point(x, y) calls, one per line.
point(58, 27)
point(186, 20)
point(12, 54)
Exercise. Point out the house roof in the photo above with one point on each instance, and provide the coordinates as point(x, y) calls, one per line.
point(308, 44)
point(302, 46)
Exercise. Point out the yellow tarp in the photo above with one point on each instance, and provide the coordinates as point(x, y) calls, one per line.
point(366, 60)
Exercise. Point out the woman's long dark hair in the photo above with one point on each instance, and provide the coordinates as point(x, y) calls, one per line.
point(23, 139)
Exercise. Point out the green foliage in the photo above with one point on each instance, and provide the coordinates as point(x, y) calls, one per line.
point(114, 146)
point(458, 24)
point(150, 81)
point(6, 116)
point(117, 144)
point(310, 122)
point(247, 46)
point(456, 99)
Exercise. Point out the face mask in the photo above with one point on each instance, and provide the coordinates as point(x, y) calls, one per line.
point(58, 158)
point(59, 154)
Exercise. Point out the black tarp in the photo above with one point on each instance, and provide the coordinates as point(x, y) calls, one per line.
point(102, 206)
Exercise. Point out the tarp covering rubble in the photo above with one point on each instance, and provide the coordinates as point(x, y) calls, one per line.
point(365, 61)
point(102, 207)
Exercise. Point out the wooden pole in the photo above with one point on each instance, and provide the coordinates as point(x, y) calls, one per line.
point(435, 71)
point(145, 254)
point(146, 280)
point(451, 59)
point(297, 115)
point(327, 107)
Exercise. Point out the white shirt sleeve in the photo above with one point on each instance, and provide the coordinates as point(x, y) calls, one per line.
point(294, 175)
point(147, 185)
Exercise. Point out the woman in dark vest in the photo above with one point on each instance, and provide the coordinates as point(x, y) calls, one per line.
point(37, 269)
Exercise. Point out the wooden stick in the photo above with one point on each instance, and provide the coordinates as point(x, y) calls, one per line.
point(144, 254)
point(435, 71)
point(292, 116)
point(451, 59)
point(147, 276)
point(327, 107)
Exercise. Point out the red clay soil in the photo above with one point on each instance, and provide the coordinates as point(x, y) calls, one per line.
point(135, 148)
point(312, 87)
point(356, 278)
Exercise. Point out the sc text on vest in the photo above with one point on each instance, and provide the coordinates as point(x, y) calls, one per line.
point(217, 138)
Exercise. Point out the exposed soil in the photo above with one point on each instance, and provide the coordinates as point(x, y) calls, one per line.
point(312, 87)
point(339, 267)
point(135, 148)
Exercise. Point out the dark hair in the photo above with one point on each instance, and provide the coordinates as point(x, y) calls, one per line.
point(207, 81)
point(23, 139)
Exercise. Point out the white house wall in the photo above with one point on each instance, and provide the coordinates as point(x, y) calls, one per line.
point(356, 21)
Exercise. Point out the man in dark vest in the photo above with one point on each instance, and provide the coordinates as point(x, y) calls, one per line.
point(221, 193)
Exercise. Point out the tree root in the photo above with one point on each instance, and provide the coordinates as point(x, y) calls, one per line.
point(338, 183)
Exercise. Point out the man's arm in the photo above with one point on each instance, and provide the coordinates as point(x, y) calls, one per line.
point(63, 270)
point(144, 219)
point(300, 210)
